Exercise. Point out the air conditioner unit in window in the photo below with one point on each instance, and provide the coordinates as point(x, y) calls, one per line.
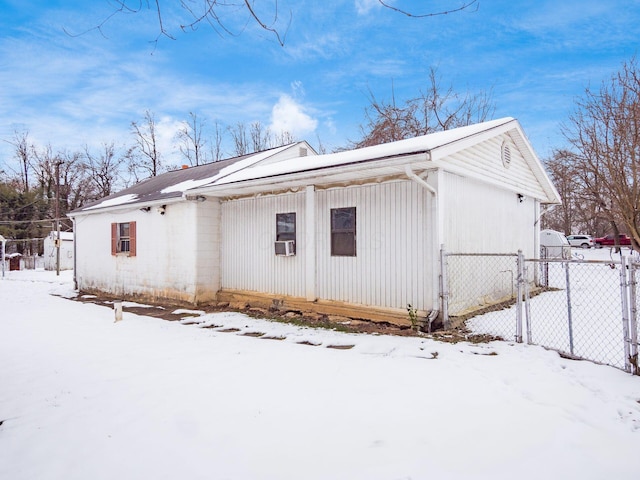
point(285, 248)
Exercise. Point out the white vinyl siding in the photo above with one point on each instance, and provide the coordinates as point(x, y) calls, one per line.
point(484, 161)
point(248, 236)
point(485, 219)
point(393, 252)
point(393, 264)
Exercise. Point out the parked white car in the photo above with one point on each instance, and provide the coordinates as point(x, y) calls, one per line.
point(582, 241)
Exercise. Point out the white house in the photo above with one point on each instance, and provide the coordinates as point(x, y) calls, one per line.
point(356, 233)
point(51, 253)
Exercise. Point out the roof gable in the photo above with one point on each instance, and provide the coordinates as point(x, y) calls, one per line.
point(481, 143)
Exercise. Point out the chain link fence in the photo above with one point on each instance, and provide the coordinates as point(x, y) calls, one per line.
point(483, 287)
point(584, 309)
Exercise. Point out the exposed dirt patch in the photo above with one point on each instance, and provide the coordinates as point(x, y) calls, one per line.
point(165, 311)
point(254, 334)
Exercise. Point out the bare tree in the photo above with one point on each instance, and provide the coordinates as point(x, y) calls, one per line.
point(103, 169)
point(435, 109)
point(605, 133)
point(282, 138)
point(216, 142)
point(220, 15)
point(191, 142)
point(22, 151)
point(260, 137)
point(144, 155)
point(240, 139)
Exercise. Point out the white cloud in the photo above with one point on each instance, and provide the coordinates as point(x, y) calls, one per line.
point(364, 6)
point(289, 116)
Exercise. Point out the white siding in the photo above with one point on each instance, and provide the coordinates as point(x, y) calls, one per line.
point(165, 262)
point(393, 264)
point(484, 161)
point(480, 218)
point(248, 236)
point(394, 261)
point(207, 249)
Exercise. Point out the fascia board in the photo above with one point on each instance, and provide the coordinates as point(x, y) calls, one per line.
point(125, 207)
point(311, 177)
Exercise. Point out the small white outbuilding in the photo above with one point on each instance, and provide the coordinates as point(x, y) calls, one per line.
point(66, 251)
point(554, 244)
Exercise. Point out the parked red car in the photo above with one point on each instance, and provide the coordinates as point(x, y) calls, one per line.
point(609, 240)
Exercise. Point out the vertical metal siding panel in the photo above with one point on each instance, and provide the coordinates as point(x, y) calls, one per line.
point(248, 233)
point(389, 238)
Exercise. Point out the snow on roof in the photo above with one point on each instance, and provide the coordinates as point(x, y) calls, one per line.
point(228, 170)
point(171, 185)
point(128, 198)
point(423, 143)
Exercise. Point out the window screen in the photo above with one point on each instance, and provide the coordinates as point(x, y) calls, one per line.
point(343, 232)
point(286, 227)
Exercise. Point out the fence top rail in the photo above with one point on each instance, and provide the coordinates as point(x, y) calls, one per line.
point(481, 254)
point(573, 260)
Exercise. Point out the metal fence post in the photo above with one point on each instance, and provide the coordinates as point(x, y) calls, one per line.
point(624, 297)
point(519, 290)
point(527, 304)
point(444, 289)
point(633, 319)
point(569, 312)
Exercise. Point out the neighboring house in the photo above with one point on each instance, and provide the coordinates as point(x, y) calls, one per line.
point(66, 251)
point(355, 233)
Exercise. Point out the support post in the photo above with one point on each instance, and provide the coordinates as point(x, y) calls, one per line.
point(624, 296)
point(633, 320)
point(310, 243)
point(519, 293)
point(444, 290)
point(57, 241)
point(569, 309)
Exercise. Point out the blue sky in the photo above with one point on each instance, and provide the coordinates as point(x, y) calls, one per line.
point(536, 57)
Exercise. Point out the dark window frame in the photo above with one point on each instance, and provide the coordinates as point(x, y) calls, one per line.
point(344, 232)
point(286, 228)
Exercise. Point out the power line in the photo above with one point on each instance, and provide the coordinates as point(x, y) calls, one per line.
point(16, 222)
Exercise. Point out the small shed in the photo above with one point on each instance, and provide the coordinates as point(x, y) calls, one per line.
point(66, 251)
point(554, 244)
point(14, 260)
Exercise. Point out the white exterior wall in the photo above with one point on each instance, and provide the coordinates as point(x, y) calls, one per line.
point(484, 161)
point(480, 218)
point(394, 256)
point(166, 264)
point(248, 236)
point(394, 263)
point(50, 254)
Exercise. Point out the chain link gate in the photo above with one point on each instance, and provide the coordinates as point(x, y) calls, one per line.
point(584, 309)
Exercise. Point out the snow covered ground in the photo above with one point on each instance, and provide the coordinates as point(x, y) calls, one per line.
point(84, 397)
point(596, 329)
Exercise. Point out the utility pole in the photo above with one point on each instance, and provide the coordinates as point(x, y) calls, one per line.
point(57, 241)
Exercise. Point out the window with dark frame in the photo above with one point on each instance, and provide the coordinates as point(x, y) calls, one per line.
point(123, 238)
point(286, 228)
point(343, 232)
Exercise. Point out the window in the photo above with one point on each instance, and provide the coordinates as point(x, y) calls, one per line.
point(286, 229)
point(123, 238)
point(343, 232)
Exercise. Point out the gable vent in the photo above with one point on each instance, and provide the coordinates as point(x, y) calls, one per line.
point(506, 154)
